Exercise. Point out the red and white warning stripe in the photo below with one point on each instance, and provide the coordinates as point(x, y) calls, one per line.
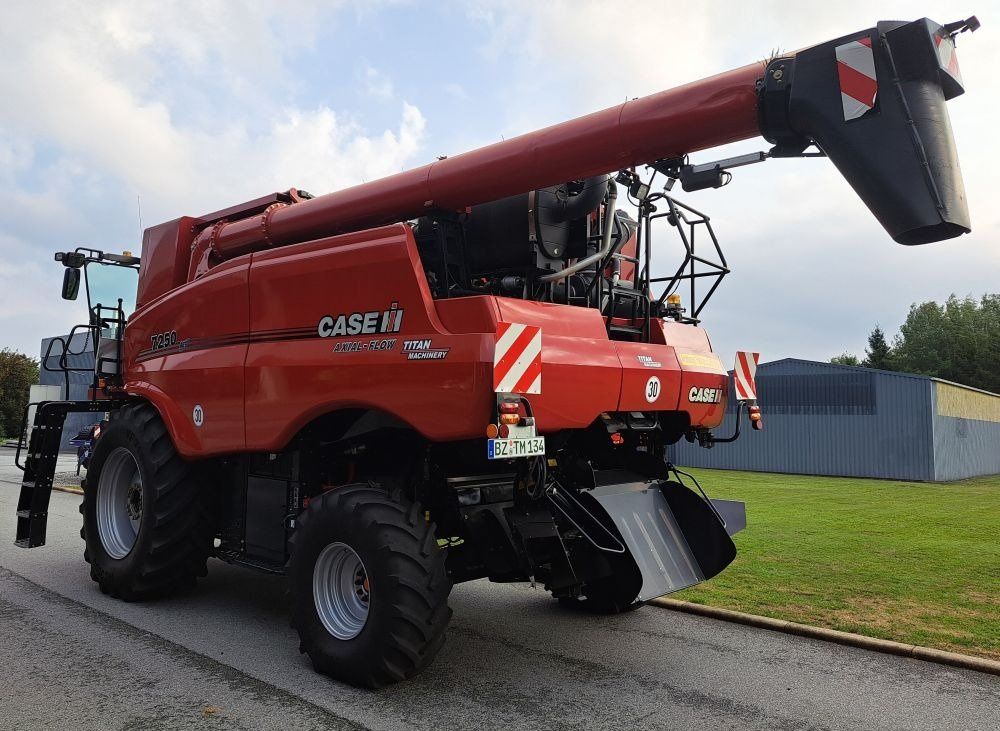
point(745, 374)
point(856, 70)
point(947, 55)
point(517, 360)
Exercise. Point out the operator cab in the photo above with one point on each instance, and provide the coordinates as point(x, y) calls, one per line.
point(111, 282)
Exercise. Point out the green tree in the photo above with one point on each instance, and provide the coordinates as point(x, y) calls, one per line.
point(958, 341)
point(878, 354)
point(17, 373)
point(845, 358)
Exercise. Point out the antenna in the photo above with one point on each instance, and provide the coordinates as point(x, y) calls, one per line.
point(138, 204)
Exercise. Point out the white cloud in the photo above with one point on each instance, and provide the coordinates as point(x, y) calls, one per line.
point(188, 106)
point(378, 85)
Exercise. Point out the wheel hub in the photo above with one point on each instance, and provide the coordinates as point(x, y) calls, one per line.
point(134, 501)
point(119, 503)
point(341, 591)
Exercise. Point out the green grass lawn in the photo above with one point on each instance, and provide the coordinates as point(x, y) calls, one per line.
point(912, 562)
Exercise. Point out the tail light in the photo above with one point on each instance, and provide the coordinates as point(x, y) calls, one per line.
point(510, 412)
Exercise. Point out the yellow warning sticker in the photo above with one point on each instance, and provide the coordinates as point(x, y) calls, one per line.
point(702, 361)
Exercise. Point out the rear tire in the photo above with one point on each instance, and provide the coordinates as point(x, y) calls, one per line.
point(368, 586)
point(146, 517)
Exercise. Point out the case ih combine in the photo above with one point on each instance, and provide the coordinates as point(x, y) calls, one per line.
point(469, 369)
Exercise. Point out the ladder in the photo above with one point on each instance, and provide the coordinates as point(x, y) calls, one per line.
point(40, 465)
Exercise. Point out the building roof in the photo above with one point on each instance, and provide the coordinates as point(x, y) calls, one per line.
point(898, 374)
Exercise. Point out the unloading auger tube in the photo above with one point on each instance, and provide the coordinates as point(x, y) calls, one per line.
point(873, 101)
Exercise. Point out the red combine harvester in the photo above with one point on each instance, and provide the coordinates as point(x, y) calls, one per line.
point(469, 369)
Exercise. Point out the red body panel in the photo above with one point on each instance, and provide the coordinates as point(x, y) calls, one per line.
point(249, 351)
point(203, 366)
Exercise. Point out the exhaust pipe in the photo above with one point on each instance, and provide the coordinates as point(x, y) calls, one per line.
point(874, 102)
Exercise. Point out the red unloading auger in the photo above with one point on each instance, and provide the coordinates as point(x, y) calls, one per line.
point(872, 101)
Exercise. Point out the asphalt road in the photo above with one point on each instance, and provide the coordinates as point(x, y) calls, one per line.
point(224, 657)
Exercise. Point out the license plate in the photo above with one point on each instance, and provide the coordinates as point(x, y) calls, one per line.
point(511, 448)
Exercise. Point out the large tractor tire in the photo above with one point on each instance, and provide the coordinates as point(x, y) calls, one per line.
point(368, 586)
point(147, 519)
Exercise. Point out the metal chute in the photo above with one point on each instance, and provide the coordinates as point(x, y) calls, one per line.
point(874, 102)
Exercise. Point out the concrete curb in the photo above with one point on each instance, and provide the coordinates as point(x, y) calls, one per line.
point(967, 662)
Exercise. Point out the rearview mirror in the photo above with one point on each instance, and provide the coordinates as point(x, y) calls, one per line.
point(71, 284)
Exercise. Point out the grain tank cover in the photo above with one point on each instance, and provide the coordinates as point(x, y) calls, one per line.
point(874, 102)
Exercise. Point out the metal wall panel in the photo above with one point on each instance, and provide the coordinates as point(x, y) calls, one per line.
point(825, 419)
point(966, 432)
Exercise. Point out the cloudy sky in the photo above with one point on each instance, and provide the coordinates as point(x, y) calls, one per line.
point(189, 107)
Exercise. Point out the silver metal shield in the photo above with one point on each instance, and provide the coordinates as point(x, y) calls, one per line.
point(653, 537)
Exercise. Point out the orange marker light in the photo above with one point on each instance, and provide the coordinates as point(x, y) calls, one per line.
point(492, 431)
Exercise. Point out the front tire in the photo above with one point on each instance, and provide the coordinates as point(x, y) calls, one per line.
point(368, 585)
point(146, 517)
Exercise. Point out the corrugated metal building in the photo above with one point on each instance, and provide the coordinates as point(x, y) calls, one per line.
point(827, 419)
point(80, 355)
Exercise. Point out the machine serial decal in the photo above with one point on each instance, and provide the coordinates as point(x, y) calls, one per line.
point(648, 361)
point(423, 350)
point(361, 323)
point(704, 395)
point(163, 340)
point(361, 346)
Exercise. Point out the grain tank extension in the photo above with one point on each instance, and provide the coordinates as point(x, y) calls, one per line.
point(471, 369)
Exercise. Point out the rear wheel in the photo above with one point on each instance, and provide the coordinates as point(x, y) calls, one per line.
point(368, 585)
point(146, 517)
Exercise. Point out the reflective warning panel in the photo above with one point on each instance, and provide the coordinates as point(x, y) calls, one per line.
point(517, 360)
point(856, 72)
point(745, 375)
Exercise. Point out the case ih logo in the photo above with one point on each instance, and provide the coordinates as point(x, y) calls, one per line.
point(422, 350)
point(704, 395)
point(361, 323)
